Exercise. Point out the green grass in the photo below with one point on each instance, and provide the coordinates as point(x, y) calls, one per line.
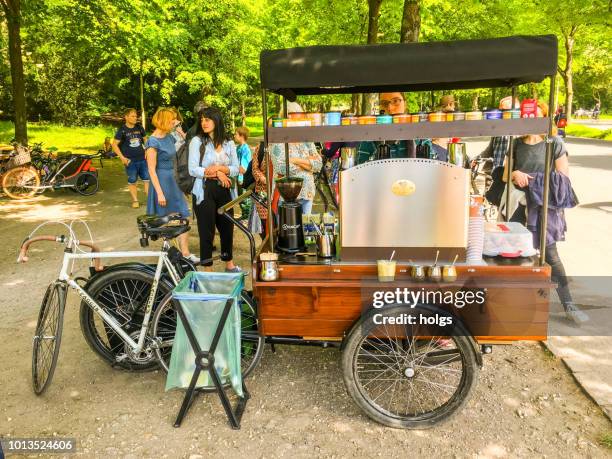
point(578, 130)
point(75, 139)
point(606, 440)
point(255, 125)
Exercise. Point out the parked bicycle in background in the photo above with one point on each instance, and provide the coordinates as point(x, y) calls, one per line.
point(35, 171)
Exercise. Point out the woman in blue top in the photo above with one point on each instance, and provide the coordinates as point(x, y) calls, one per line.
point(165, 197)
point(212, 161)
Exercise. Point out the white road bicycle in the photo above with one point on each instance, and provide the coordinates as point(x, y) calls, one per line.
point(127, 313)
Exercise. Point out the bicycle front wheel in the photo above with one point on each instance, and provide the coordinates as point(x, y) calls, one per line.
point(48, 336)
point(21, 182)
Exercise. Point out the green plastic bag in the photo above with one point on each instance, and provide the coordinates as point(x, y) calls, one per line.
point(203, 296)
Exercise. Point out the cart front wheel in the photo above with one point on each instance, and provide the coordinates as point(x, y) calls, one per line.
point(409, 376)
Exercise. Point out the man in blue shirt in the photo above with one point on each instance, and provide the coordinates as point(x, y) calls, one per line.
point(393, 103)
point(128, 144)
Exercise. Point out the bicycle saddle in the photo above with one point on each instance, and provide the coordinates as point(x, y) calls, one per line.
point(153, 226)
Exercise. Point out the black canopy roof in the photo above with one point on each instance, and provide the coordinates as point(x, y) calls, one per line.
point(409, 66)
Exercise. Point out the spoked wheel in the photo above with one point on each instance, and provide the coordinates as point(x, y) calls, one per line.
point(86, 184)
point(48, 336)
point(251, 348)
point(21, 182)
point(409, 376)
point(122, 294)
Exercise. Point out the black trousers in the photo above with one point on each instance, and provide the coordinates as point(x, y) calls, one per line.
point(552, 258)
point(208, 219)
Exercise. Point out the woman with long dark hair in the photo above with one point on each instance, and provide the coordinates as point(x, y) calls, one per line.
point(529, 161)
point(212, 161)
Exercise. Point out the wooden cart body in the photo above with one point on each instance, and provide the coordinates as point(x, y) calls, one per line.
point(323, 302)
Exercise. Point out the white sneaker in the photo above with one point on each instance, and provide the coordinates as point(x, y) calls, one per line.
point(573, 313)
point(192, 258)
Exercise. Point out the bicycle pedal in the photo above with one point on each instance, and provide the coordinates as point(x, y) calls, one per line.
point(121, 357)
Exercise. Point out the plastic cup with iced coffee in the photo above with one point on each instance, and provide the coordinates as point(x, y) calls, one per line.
point(386, 270)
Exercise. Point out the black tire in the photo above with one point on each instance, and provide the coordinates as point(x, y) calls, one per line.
point(252, 344)
point(48, 336)
point(122, 293)
point(86, 184)
point(417, 376)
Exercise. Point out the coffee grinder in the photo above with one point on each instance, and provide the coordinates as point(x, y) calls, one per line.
point(290, 231)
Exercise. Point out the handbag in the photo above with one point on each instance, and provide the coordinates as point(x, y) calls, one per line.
point(495, 191)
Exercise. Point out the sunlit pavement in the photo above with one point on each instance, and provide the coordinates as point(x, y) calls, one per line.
point(586, 256)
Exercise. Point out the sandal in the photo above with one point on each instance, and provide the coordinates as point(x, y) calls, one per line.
point(135, 204)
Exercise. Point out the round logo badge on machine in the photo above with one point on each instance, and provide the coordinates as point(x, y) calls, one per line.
point(403, 187)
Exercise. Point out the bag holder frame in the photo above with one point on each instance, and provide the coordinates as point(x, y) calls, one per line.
point(204, 361)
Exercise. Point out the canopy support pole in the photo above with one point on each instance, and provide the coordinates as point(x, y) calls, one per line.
point(510, 162)
point(286, 145)
point(547, 169)
point(267, 163)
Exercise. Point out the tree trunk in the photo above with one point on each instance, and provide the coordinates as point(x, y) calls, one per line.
point(355, 104)
point(568, 74)
point(411, 22)
point(475, 101)
point(243, 114)
point(12, 12)
point(368, 100)
point(143, 115)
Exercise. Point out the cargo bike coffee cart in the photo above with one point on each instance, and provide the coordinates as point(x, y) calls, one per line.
point(401, 374)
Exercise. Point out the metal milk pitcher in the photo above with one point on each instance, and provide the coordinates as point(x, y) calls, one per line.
point(348, 157)
point(456, 153)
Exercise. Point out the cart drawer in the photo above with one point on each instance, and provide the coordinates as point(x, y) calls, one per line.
point(309, 303)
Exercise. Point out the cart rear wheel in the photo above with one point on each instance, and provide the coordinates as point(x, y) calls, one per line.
point(409, 376)
point(86, 184)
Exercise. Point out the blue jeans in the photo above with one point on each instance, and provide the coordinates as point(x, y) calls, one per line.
point(306, 205)
point(137, 169)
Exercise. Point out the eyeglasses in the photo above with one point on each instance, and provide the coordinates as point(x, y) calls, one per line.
point(395, 101)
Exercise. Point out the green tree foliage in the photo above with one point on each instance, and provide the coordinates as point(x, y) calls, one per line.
point(85, 58)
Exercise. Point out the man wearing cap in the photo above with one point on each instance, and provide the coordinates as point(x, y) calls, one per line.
point(447, 103)
point(392, 103)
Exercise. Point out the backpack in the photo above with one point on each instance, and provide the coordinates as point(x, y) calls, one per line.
point(181, 173)
point(247, 177)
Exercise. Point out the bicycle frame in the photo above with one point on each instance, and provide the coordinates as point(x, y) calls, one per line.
point(162, 262)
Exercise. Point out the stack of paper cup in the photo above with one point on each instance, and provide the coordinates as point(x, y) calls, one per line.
point(475, 243)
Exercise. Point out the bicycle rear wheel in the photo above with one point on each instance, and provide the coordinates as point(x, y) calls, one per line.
point(251, 343)
point(48, 336)
point(21, 182)
point(122, 294)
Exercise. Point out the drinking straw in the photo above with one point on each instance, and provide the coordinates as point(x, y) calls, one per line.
point(456, 256)
point(392, 255)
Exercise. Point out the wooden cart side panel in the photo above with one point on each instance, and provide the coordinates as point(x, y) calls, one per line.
point(511, 314)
